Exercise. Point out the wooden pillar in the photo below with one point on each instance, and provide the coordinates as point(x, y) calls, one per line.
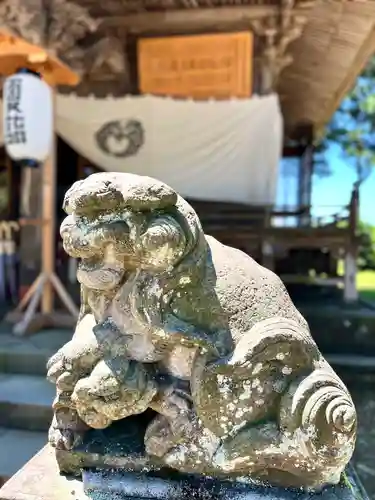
point(30, 234)
point(350, 277)
point(350, 263)
point(268, 259)
point(267, 249)
point(49, 179)
point(305, 180)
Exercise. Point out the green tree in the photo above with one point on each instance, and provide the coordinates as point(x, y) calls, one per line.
point(352, 127)
point(366, 252)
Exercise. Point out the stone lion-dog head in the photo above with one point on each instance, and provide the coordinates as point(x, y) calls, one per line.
point(119, 222)
point(134, 236)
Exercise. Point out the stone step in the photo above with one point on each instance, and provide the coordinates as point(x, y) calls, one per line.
point(23, 361)
point(352, 361)
point(17, 447)
point(25, 402)
point(29, 355)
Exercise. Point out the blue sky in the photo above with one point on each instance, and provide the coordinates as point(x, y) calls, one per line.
point(334, 191)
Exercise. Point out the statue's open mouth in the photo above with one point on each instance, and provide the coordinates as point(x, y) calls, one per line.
point(99, 278)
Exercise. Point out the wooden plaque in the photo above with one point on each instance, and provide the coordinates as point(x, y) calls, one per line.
point(198, 66)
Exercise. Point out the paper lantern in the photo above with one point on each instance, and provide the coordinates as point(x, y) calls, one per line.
point(27, 117)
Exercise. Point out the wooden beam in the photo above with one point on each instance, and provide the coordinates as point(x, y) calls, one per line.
point(185, 19)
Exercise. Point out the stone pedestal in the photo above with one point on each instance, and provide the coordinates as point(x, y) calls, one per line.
point(101, 485)
point(41, 480)
point(175, 323)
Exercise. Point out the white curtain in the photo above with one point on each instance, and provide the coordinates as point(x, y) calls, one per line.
point(214, 150)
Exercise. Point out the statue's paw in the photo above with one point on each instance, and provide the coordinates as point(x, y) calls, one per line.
point(182, 444)
point(74, 357)
point(67, 429)
point(64, 439)
point(159, 438)
point(67, 381)
point(55, 366)
point(97, 410)
point(94, 418)
point(115, 389)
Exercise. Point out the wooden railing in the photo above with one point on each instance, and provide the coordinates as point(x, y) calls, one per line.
point(248, 227)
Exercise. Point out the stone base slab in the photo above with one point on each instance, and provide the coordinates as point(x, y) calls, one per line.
point(40, 480)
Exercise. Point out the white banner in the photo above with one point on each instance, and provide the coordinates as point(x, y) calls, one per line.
point(212, 150)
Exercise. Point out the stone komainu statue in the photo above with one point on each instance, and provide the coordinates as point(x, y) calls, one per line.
point(175, 321)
